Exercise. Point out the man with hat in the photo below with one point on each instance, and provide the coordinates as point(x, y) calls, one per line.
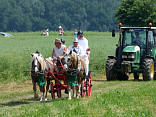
point(61, 32)
point(83, 42)
point(76, 48)
point(58, 50)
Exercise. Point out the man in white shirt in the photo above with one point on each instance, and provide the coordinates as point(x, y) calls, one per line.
point(58, 52)
point(76, 48)
point(83, 42)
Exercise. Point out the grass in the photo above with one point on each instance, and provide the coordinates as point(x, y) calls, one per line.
point(118, 98)
point(108, 99)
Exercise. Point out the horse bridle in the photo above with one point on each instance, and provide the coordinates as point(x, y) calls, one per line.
point(73, 71)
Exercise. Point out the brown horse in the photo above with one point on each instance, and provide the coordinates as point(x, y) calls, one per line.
point(40, 72)
point(74, 65)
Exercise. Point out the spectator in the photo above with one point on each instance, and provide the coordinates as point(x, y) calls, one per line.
point(44, 33)
point(75, 32)
point(47, 33)
point(61, 32)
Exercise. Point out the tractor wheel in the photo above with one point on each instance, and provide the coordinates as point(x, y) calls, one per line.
point(110, 65)
point(122, 76)
point(136, 76)
point(148, 69)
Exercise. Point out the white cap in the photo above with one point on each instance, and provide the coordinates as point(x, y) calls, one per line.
point(60, 27)
point(75, 40)
point(47, 29)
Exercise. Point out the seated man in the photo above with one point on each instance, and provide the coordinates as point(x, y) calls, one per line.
point(137, 40)
point(76, 48)
point(58, 52)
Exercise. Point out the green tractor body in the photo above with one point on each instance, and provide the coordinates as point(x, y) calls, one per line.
point(136, 53)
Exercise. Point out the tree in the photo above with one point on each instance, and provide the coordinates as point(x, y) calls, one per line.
point(137, 12)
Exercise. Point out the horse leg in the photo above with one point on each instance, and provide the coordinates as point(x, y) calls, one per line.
point(34, 87)
point(42, 90)
point(74, 91)
point(47, 89)
point(78, 90)
point(69, 90)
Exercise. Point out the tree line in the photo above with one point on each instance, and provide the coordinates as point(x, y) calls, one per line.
point(36, 15)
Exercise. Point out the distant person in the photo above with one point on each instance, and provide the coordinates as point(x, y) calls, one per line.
point(44, 33)
point(83, 42)
point(75, 32)
point(61, 32)
point(47, 32)
point(76, 48)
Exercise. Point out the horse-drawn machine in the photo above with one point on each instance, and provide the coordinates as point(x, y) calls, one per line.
point(73, 77)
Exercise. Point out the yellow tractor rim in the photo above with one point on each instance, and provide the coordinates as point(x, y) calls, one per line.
point(152, 71)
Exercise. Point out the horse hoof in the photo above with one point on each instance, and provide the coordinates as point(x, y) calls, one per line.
point(69, 98)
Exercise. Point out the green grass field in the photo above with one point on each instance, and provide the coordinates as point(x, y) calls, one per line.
point(108, 99)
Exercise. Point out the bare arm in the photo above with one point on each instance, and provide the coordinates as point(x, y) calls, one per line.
point(53, 54)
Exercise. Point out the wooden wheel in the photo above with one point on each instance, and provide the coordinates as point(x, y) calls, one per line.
point(89, 87)
point(83, 89)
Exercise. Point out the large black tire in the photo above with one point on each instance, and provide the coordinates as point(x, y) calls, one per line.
point(110, 65)
point(148, 69)
point(136, 76)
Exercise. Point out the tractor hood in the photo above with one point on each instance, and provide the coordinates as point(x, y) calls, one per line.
point(131, 49)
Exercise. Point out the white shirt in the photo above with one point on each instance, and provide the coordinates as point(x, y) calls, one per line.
point(79, 50)
point(83, 43)
point(59, 52)
point(47, 34)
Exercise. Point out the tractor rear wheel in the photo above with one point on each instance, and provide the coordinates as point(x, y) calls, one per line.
point(110, 65)
point(148, 69)
point(136, 76)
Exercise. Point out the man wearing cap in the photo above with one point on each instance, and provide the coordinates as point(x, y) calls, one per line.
point(58, 51)
point(76, 48)
point(83, 42)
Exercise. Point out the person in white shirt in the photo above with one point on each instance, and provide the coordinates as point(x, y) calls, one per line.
point(47, 33)
point(58, 51)
point(61, 32)
point(76, 48)
point(83, 42)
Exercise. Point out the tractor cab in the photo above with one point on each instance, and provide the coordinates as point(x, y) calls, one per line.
point(136, 52)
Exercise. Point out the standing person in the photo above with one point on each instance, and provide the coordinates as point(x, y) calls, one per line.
point(61, 32)
point(75, 32)
point(47, 33)
point(44, 33)
point(76, 48)
point(58, 52)
point(83, 42)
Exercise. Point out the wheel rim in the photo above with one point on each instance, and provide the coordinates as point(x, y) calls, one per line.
point(152, 71)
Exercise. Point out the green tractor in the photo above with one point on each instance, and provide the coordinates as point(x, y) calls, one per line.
point(135, 53)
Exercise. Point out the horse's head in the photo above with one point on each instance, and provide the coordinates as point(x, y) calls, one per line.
point(37, 63)
point(70, 60)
